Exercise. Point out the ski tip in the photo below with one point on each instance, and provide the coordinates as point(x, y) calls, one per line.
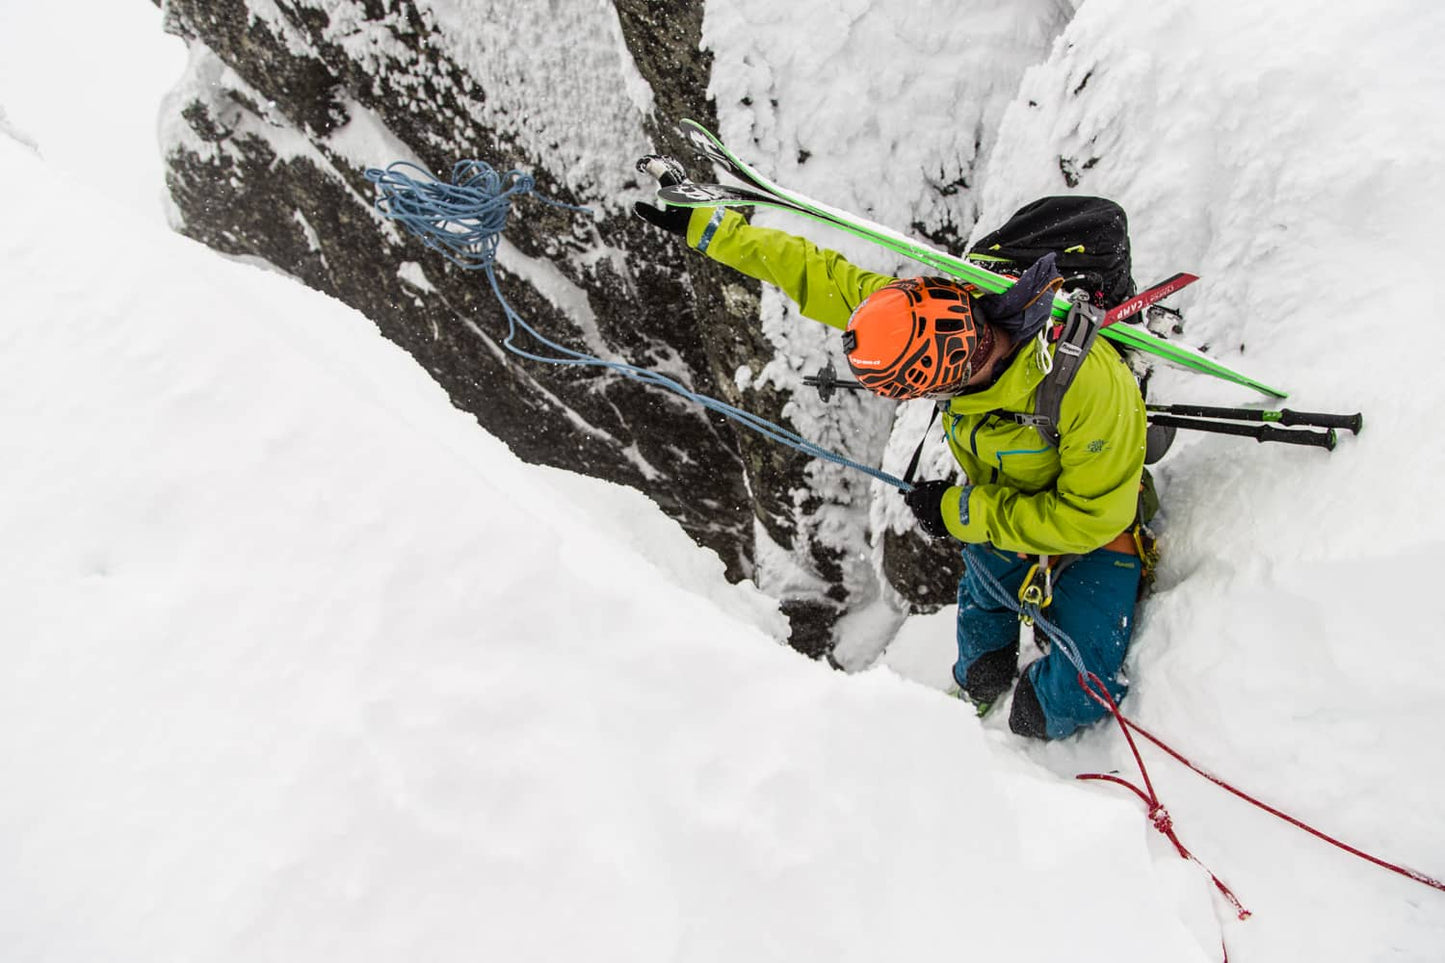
point(704, 142)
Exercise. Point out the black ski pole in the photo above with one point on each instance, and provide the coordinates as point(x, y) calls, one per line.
point(1284, 416)
point(827, 381)
point(1290, 436)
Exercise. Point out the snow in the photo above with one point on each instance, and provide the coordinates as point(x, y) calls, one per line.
point(301, 663)
point(412, 273)
point(583, 124)
point(85, 119)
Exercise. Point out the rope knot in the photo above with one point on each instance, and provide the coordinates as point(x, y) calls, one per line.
point(1159, 816)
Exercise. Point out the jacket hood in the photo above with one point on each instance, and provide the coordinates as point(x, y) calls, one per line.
point(1024, 309)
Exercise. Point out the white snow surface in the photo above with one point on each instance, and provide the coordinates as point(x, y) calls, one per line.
point(301, 664)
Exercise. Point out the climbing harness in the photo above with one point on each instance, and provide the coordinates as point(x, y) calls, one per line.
point(463, 220)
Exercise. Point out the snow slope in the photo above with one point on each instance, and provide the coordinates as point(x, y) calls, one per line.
point(70, 79)
point(299, 663)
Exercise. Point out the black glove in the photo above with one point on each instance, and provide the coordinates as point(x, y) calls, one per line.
point(926, 500)
point(671, 219)
point(668, 173)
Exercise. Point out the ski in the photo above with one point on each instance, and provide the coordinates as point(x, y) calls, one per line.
point(706, 143)
point(688, 194)
point(762, 192)
point(1148, 297)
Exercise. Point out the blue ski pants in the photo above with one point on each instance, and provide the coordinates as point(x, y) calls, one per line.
point(1093, 602)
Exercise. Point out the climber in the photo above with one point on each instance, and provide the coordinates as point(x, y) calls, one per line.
point(1064, 514)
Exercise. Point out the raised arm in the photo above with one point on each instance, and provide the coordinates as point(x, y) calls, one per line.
point(825, 286)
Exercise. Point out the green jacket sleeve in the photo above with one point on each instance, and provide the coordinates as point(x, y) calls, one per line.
point(1102, 426)
point(825, 286)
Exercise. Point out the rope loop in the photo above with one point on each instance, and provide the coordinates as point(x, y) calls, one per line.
point(463, 219)
point(1043, 356)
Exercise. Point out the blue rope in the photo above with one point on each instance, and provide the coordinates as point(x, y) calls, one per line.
point(464, 220)
point(1007, 599)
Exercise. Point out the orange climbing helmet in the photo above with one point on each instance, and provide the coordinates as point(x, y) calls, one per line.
point(914, 338)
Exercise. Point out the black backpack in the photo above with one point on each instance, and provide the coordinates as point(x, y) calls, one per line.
point(1090, 235)
point(1090, 238)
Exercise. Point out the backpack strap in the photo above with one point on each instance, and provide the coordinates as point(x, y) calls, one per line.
point(1073, 342)
point(918, 452)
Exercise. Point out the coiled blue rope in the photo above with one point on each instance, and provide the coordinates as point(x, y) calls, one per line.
point(463, 220)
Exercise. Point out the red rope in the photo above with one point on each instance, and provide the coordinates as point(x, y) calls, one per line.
point(1160, 817)
point(1402, 870)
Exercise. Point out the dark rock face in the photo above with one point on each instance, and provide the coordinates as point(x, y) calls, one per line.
point(925, 572)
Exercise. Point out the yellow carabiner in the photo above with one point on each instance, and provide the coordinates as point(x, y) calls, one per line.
point(1032, 595)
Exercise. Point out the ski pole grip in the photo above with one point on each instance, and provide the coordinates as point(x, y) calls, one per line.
point(1351, 423)
point(665, 170)
point(1319, 439)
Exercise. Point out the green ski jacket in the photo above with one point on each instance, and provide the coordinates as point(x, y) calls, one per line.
point(1023, 495)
